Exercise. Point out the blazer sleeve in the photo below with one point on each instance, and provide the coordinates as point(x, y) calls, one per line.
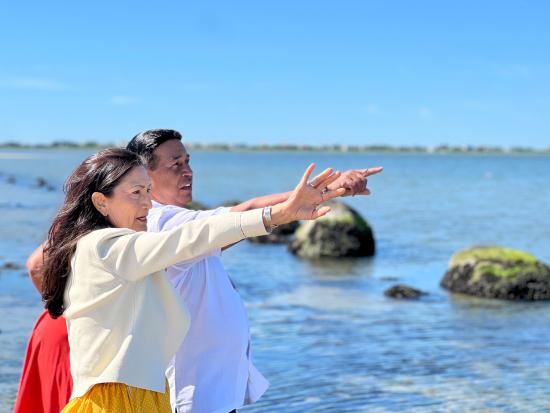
point(134, 255)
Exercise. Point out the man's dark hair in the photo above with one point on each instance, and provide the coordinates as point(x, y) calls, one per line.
point(144, 143)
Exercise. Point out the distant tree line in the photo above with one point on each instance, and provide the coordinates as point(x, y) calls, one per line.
point(440, 149)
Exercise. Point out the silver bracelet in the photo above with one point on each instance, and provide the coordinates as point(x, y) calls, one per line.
point(266, 213)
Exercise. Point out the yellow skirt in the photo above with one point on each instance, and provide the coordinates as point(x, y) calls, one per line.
point(120, 398)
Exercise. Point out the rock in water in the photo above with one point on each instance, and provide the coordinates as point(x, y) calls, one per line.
point(41, 182)
point(10, 266)
point(196, 206)
point(496, 272)
point(279, 235)
point(340, 233)
point(403, 291)
point(232, 203)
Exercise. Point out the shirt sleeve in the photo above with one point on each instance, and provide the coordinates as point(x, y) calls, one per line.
point(134, 255)
point(177, 216)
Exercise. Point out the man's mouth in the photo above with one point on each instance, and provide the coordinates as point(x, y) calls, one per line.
point(186, 187)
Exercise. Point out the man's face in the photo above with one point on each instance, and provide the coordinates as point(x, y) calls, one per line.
point(171, 175)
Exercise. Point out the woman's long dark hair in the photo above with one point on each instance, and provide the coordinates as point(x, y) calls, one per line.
point(77, 217)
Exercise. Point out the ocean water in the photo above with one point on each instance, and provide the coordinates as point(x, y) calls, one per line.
point(323, 333)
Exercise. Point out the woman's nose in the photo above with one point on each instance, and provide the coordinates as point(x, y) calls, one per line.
point(147, 202)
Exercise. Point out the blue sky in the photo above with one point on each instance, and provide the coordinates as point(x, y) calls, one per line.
point(312, 72)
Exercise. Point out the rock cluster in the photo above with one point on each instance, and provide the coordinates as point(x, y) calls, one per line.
point(496, 272)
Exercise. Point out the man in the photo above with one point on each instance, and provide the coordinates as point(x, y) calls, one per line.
point(212, 371)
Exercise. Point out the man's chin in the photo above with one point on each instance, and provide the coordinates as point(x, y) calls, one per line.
point(184, 201)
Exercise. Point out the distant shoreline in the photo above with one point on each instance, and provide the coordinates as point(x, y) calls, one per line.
point(441, 149)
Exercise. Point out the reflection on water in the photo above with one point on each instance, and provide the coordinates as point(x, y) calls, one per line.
point(324, 334)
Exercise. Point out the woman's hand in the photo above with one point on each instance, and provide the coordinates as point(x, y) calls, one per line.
point(303, 203)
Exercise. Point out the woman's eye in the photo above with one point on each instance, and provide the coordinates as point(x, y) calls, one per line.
point(136, 192)
point(176, 165)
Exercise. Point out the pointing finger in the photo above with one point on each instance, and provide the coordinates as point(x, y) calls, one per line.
point(371, 171)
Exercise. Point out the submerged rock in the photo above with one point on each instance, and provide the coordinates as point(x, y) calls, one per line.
point(41, 182)
point(8, 265)
point(341, 233)
point(280, 235)
point(496, 272)
point(403, 291)
point(231, 203)
point(196, 206)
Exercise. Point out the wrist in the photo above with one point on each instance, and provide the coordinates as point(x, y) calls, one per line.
point(279, 215)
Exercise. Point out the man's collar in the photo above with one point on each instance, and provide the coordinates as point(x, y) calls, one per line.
point(156, 204)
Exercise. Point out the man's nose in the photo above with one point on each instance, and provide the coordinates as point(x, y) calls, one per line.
point(187, 171)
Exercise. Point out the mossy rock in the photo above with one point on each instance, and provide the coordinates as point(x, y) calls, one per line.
point(232, 203)
point(196, 206)
point(280, 235)
point(497, 272)
point(341, 233)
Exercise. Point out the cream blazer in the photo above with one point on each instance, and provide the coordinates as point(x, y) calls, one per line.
point(125, 320)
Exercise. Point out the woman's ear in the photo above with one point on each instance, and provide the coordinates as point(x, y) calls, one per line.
point(100, 203)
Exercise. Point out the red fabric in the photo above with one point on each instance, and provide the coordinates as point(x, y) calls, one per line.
point(46, 382)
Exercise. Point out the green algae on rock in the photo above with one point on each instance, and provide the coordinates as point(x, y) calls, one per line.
point(196, 206)
point(341, 233)
point(281, 234)
point(497, 272)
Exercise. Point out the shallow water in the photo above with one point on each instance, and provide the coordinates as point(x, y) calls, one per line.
point(323, 333)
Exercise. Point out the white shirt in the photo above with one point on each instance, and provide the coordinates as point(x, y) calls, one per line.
point(124, 319)
point(212, 371)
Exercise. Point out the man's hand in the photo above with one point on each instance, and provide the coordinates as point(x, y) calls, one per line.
point(354, 181)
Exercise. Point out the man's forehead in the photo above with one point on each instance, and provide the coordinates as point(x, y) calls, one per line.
point(172, 149)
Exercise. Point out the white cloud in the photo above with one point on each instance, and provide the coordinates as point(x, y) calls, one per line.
point(124, 100)
point(371, 109)
point(31, 83)
point(425, 112)
point(515, 71)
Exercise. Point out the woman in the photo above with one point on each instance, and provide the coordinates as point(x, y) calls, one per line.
point(105, 276)
point(46, 384)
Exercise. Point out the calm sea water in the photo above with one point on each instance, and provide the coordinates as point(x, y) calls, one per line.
point(323, 333)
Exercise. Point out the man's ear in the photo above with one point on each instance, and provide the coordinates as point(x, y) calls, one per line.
point(100, 203)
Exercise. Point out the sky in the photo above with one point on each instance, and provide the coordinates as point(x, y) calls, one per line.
point(277, 72)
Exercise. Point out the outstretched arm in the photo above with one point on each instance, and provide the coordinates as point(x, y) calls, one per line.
point(353, 181)
point(134, 255)
point(261, 201)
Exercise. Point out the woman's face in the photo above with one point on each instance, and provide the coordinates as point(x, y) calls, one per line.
point(128, 205)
